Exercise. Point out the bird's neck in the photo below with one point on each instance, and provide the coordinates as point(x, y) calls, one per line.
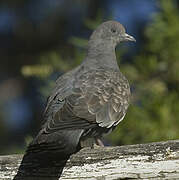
point(101, 54)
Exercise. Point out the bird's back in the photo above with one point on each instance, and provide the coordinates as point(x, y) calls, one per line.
point(96, 100)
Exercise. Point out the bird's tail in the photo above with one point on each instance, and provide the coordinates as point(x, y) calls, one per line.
point(47, 155)
point(41, 166)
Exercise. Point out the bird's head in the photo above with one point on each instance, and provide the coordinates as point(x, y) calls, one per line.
point(111, 32)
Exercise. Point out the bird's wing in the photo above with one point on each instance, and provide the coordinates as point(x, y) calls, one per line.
point(95, 97)
point(103, 94)
point(62, 89)
point(59, 113)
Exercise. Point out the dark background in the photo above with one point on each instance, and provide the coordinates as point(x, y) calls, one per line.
point(41, 39)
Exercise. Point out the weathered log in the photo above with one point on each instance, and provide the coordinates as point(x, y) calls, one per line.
point(142, 161)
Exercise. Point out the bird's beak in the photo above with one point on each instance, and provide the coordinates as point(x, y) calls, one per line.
point(127, 37)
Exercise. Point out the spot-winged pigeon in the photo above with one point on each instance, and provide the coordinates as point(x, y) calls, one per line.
point(86, 103)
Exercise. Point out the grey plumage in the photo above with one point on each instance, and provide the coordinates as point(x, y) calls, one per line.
point(87, 102)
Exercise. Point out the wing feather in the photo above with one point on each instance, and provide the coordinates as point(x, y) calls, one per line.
point(94, 97)
point(106, 94)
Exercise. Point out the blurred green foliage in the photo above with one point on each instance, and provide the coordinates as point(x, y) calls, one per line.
point(153, 74)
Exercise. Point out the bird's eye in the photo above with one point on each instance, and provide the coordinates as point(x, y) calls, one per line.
point(113, 30)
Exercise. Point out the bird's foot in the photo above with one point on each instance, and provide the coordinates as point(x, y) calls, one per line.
point(91, 142)
point(99, 142)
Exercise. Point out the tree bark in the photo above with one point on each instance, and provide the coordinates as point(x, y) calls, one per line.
point(158, 160)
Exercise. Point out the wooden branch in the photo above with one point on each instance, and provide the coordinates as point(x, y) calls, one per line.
point(143, 161)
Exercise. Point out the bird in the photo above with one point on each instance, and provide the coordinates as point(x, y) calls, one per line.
point(86, 103)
